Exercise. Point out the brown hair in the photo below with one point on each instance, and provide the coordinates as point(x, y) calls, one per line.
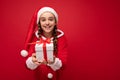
point(54, 34)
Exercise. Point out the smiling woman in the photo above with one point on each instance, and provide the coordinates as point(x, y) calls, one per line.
point(46, 46)
point(47, 22)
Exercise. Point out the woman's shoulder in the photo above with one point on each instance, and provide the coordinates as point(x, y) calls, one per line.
point(61, 36)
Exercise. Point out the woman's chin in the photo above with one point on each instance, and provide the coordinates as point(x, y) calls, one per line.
point(47, 31)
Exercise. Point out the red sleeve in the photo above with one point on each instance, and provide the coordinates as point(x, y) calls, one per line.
point(62, 50)
point(31, 48)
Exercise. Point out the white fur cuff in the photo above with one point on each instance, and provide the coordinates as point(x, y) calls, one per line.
point(56, 65)
point(30, 64)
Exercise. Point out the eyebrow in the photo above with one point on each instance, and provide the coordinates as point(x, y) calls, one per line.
point(44, 17)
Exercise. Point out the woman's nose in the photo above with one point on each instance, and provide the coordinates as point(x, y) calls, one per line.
point(47, 22)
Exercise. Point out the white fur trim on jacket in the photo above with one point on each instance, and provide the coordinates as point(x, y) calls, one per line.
point(50, 75)
point(30, 64)
point(61, 33)
point(56, 65)
point(58, 36)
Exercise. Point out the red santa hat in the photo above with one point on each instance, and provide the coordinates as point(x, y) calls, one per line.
point(33, 27)
point(46, 9)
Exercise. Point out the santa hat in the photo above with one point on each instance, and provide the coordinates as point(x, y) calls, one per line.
point(34, 26)
point(46, 9)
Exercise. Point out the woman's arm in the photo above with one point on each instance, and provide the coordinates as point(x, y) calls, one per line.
point(61, 57)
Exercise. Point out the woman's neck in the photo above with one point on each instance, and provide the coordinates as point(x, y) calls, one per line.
point(48, 35)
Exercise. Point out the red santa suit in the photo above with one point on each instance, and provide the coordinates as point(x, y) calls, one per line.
point(48, 71)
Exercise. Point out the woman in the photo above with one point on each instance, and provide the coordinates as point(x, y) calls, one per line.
point(45, 45)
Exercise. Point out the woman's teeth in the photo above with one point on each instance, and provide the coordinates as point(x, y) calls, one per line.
point(47, 27)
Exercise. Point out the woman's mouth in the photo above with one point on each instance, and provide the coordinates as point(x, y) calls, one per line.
point(47, 27)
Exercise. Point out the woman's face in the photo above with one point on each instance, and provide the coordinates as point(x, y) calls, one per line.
point(47, 21)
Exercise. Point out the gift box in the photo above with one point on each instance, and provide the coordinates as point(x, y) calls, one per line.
point(49, 48)
point(44, 51)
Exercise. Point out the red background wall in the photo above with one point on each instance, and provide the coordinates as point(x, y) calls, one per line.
point(92, 28)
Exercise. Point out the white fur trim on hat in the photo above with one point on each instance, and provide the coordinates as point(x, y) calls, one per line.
point(50, 75)
point(46, 9)
point(24, 53)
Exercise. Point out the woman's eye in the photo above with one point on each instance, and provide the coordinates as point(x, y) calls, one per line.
point(43, 20)
point(51, 19)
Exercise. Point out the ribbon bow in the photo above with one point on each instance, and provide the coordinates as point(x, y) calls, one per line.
point(41, 41)
point(44, 41)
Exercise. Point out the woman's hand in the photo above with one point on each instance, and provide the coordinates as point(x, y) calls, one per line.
point(51, 62)
point(34, 59)
point(43, 62)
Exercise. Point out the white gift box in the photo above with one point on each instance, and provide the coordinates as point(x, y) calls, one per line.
point(49, 48)
point(40, 52)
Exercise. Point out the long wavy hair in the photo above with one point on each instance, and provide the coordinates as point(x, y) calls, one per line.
point(54, 34)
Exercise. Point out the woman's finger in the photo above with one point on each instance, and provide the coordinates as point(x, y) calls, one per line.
point(34, 55)
point(37, 63)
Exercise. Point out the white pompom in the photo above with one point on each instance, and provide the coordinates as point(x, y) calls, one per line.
point(24, 53)
point(50, 75)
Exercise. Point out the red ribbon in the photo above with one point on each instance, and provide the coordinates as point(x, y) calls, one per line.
point(44, 45)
